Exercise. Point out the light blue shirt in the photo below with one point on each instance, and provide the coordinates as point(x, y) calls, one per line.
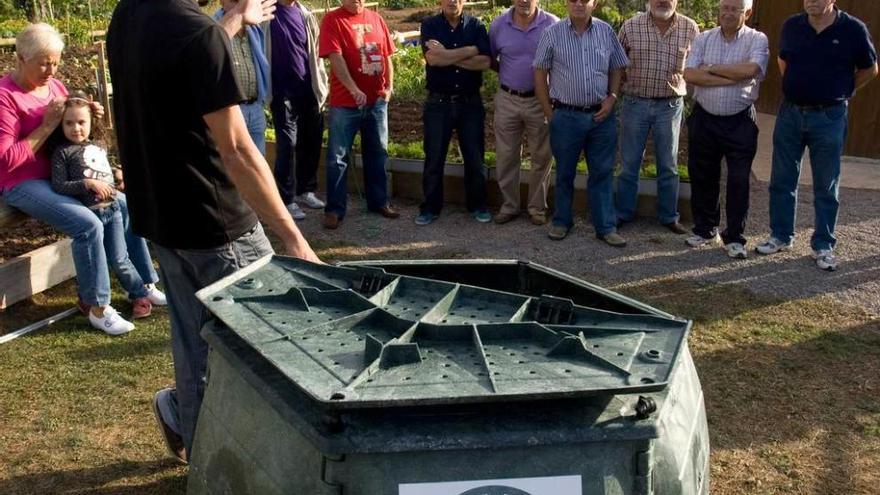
point(710, 47)
point(579, 64)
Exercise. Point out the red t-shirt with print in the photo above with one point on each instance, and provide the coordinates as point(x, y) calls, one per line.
point(364, 42)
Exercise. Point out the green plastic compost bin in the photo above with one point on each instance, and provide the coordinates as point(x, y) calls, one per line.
point(443, 378)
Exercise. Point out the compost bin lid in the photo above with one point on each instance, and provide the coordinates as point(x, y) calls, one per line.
point(360, 336)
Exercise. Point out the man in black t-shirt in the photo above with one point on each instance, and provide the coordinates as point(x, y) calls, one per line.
point(196, 181)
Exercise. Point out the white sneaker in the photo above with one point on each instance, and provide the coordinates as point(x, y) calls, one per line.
point(825, 259)
point(696, 241)
point(310, 200)
point(111, 323)
point(736, 250)
point(772, 246)
point(156, 296)
point(295, 211)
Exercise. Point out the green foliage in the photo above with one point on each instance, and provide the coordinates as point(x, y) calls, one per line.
point(8, 9)
point(616, 12)
point(9, 28)
point(412, 151)
point(409, 74)
point(649, 171)
point(404, 4)
point(488, 15)
point(76, 30)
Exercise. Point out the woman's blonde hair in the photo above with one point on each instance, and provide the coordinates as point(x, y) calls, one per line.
point(38, 39)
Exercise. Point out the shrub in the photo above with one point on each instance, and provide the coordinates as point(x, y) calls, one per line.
point(409, 74)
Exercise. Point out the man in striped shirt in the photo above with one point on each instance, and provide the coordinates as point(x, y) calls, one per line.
point(578, 69)
point(726, 66)
point(657, 43)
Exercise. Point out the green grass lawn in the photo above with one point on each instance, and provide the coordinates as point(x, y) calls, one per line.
point(791, 391)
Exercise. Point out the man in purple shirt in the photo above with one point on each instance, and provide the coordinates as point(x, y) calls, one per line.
point(299, 90)
point(514, 37)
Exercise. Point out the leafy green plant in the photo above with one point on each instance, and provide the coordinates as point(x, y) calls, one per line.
point(405, 4)
point(411, 151)
point(409, 74)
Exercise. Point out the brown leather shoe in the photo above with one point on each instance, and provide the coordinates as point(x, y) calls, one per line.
point(502, 217)
point(538, 218)
point(613, 239)
point(676, 227)
point(84, 307)
point(331, 221)
point(388, 211)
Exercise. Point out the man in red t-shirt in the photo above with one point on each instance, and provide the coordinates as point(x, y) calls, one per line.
point(359, 47)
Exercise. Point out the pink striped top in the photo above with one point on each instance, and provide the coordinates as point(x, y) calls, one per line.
point(20, 114)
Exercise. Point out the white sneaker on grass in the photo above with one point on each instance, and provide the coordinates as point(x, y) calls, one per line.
point(825, 259)
point(156, 296)
point(309, 199)
point(696, 241)
point(736, 250)
point(110, 322)
point(295, 211)
point(772, 246)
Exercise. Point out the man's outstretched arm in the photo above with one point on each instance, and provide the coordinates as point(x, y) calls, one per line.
point(253, 179)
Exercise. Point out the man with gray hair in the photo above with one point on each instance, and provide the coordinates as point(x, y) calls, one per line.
point(657, 43)
point(825, 56)
point(726, 66)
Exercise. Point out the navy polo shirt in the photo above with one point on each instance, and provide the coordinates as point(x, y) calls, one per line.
point(453, 79)
point(820, 67)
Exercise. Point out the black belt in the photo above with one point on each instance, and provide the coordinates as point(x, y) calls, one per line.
point(815, 106)
point(558, 105)
point(453, 97)
point(251, 101)
point(522, 94)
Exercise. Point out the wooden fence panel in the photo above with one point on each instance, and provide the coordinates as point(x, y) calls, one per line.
point(864, 121)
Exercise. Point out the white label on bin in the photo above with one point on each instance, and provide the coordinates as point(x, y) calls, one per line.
point(548, 485)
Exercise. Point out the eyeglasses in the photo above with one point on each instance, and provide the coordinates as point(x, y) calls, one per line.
point(585, 2)
point(732, 10)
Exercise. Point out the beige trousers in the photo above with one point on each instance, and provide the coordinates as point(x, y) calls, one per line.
point(515, 115)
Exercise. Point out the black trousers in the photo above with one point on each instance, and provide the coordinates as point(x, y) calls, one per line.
point(299, 128)
point(711, 138)
point(466, 117)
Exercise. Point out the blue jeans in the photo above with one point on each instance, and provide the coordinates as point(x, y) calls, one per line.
point(824, 132)
point(117, 253)
point(372, 122)
point(138, 252)
point(571, 132)
point(663, 119)
point(37, 199)
point(186, 271)
point(467, 118)
point(255, 119)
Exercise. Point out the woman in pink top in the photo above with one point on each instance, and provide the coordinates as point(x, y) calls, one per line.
point(31, 107)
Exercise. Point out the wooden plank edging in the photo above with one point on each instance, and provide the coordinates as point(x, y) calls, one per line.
point(31, 273)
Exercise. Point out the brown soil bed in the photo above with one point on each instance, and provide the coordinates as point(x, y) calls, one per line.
point(25, 237)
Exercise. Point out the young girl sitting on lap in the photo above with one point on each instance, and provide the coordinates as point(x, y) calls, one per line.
point(80, 169)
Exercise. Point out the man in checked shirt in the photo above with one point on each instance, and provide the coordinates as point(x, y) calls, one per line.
point(657, 43)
